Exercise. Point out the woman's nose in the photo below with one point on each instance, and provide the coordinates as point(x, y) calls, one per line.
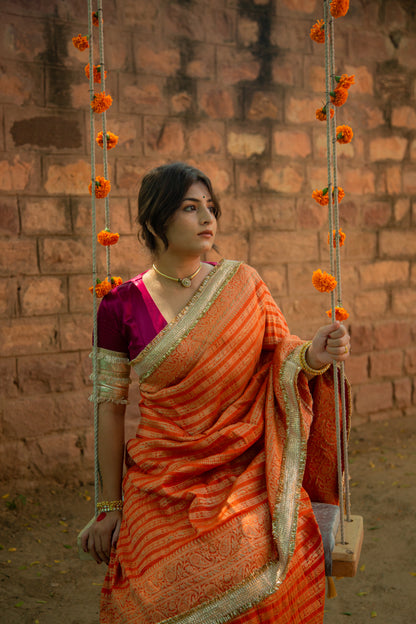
point(206, 215)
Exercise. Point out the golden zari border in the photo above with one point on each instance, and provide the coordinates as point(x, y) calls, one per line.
point(264, 582)
point(113, 376)
point(170, 337)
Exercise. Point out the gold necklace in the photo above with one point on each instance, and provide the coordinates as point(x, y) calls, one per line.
point(185, 281)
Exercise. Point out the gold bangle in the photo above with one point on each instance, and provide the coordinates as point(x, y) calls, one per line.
point(305, 366)
point(116, 505)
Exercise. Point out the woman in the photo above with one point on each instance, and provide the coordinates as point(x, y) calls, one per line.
point(236, 434)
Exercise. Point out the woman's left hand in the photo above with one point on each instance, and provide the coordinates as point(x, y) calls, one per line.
point(331, 342)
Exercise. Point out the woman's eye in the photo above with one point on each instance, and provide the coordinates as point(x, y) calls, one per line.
point(190, 208)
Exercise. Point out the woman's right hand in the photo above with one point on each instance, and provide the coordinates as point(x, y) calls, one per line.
point(102, 535)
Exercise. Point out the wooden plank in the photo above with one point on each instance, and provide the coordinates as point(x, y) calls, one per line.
point(345, 557)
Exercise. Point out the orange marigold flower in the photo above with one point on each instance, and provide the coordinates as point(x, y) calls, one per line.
point(344, 81)
point(80, 42)
point(318, 31)
point(321, 113)
point(102, 187)
point(321, 197)
point(95, 18)
point(107, 238)
point(344, 134)
point(340, 314)
point(339, 96)
point(101, 102)
point(323, 281)
point(96, 71)
point(341, 194)
point(112, 139)
point(339, 8)
point(103, 287)
point(341, 237)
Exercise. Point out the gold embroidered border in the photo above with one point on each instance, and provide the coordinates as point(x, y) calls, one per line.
point(264, 582)
point(170, 337)
point(113, 376)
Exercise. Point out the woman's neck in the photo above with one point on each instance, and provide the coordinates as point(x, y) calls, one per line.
point(175, 266)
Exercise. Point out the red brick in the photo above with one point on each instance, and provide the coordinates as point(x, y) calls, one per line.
point(120, 220)
point(75, 332)
point(362, 339)
point(404, 117)
point(8, 378)
point(19, 40)
point(43, 295)
point(404, 301)
point(357, 180)
point(59, 456)
point(287, 68)
point(8, 297)
point(392, 334)
point(410, 361)
point(9, 216)
point(140, 14)
point(245, 144)
point(392, 180)
point(371, 303)
point(184, 21)
point(407, 52)
point(287, 179)
point(18, 256)
point(181, 102)
point(372, 116)
point(315, 76)
point(409, 180)
point(69, 178)
point(272, 213)
point(166, 138)
point(360, 245)
point(21, 84)
point(128, 258)
point(207, 139)
point(375, 46)
point(397, 243)
point(383, 273)
point(128, 130)
point(219, 172)
point(216, 102)
point(129, 173)
point(388, 148)
point(364, 83)
point(60, 372)
point(356, 369)
point(236, 214)
point(264, 105)
point(154, 58)
point(374, 397)
point(350, 215)
point(236, 65)
point(271, 247)
point(402, 392)
point(275, 278)
point(45, 215)
point(304, 314)
point(317, 178)
point(292, 34)
point(232, 246)
point(17, 173)
point(26, 336)
point(386, 364)
point(63, 255)
point(300, 109)
point(310, 215)
point(144, 94)
point(79, 296)
point(294, 144)
point(247, 31)
point(301, 6)
point(376, 214)
point(201, 62)
point(300, 278)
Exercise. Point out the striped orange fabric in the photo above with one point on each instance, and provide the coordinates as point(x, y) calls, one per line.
point(216, 525)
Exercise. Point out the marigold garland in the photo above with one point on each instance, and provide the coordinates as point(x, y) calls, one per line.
point(107, 238)
point(322, 197)
point(344, 134)
point(341, 237)
point(339, 96)
point(112, 139)
point(340, 314)
point(318, 31)
point(344, 81)
point(95, 21)
point(339, 8)
point(97, 71)
point(80, 42)
point(323, 281)
point(101, 102)
point(103, 287)
point(321, 113)
point(102, 187)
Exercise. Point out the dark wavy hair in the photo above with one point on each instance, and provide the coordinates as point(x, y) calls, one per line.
point(161, 193)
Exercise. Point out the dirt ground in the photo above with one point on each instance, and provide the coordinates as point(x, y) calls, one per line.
point(42, 581)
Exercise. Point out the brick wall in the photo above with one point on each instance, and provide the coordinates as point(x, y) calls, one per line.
point(231, 86)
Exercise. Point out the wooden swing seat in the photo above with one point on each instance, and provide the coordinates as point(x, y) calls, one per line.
point(345, 557)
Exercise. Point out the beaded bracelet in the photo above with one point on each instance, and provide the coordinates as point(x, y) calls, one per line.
point(305, 366)
point(116, 505)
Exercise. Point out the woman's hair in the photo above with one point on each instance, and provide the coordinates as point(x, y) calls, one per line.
point(161, 193)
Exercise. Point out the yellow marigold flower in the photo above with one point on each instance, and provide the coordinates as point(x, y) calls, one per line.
point(344, 134)
point(96, 71)
point(80, 42)
point(323, 281)
point(107, 238)
point(102, 187)
point(339, 8)
point(339, 96)
point(341, 238)
point(340, 314)
point(318, 31)
point(344, 81)
point(321, 113)
point(112, 139)
point(101, 102)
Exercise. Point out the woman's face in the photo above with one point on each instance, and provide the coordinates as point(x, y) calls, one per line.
point(191, 229)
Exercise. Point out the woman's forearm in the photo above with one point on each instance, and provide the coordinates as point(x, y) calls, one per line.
point(111, 449)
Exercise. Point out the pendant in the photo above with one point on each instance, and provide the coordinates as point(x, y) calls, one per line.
point(186, 282)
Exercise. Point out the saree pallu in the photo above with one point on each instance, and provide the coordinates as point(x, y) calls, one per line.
point(217, 526)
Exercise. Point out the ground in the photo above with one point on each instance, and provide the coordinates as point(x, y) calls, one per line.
point(42, 581)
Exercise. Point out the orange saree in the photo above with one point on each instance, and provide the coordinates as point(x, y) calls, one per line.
point(217, 521)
